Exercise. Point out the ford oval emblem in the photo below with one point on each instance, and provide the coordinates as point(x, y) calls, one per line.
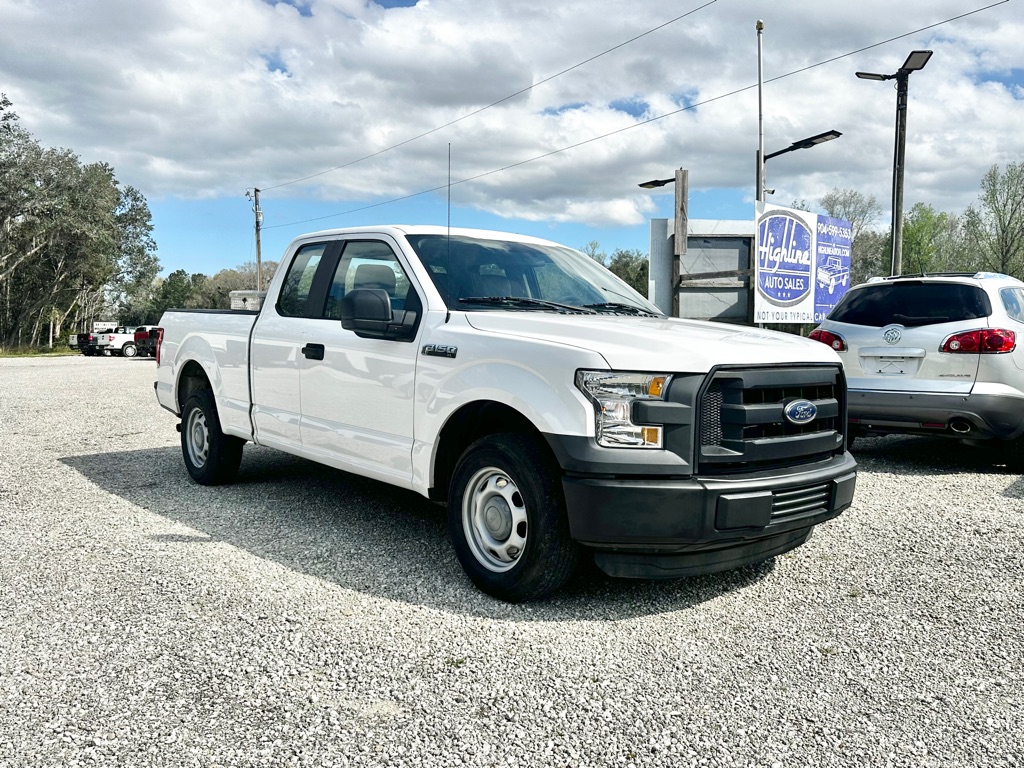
point(800, 412)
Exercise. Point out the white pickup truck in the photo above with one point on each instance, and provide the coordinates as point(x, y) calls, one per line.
point(552, 408)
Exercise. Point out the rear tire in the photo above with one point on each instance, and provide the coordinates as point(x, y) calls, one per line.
point(129, 350)
point(507, 519)
point(211, 457)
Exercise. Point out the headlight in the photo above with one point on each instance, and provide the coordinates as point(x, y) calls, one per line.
point(612, 395)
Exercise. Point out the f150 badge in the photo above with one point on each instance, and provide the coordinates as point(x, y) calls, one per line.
point(800, 412)
point(440, 350)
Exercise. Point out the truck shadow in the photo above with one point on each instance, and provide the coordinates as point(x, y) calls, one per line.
point(365, 536)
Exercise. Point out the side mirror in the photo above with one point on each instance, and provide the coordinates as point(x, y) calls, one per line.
point(367, 312)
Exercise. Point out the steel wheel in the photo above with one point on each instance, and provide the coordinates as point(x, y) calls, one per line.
point(211, 457)
point(197, 438)
point(507, 519)
point(494, 519)
point(129, 350)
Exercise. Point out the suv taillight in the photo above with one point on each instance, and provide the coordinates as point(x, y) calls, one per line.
point(834, 340)
point(159, 341)
point(987, 340)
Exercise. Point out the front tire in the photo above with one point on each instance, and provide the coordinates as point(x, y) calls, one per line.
point(507, 519)
point(211, 457)
point(129, 350)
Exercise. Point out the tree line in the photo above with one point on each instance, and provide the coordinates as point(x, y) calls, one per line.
point(73, 241)
point(76, 246)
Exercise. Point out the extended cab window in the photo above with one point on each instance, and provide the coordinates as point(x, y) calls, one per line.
point(299, 280)
point(368, 264)
point(911, 304)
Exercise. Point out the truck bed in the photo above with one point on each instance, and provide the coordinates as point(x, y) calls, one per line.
point(218, 340)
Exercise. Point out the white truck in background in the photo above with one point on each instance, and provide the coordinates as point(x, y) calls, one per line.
point(555, 411)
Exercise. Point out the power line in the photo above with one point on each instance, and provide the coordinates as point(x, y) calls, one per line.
point(493, 104)
point(639, 124)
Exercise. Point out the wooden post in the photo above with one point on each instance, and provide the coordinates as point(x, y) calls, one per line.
point(681, 230)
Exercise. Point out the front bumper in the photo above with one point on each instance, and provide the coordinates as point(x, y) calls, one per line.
point(988, 415)
point(665, 527)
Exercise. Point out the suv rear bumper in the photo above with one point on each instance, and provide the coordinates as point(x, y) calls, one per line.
point(649, 527)
point(982, 416)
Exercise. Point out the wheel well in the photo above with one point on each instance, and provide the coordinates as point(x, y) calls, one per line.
point(192, 377)
point(468, 424)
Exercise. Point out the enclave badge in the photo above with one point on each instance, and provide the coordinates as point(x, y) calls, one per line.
point(800, 412)
point(440, 350)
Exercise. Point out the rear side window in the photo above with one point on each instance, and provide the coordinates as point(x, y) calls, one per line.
point(1013, 302)
point(912, 304)
point(299, 281)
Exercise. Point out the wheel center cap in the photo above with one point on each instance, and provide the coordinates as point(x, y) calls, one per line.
point(498, 518)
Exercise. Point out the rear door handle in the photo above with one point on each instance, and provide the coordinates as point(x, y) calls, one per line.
point(314, 351)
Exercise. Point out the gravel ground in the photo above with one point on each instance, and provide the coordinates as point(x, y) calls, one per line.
point(307, 617)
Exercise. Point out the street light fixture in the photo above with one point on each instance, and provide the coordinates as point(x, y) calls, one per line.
point(654, 183)
point(807, 143)
point(915, 61)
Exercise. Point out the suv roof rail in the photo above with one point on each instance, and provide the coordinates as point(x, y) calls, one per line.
point(978, 275)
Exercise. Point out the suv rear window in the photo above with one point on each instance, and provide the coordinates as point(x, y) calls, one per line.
point(911, 304)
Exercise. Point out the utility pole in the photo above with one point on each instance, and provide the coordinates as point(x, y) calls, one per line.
point(255, 197)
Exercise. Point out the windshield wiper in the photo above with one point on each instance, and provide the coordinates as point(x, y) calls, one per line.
point(523, 302)
point(631, 309)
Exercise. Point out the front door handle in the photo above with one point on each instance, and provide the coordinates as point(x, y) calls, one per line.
point(314, 351)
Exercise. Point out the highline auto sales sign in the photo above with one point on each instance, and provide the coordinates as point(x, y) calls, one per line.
point(802, 265)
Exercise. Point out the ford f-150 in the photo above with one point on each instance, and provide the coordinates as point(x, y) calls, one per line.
point(555, 411)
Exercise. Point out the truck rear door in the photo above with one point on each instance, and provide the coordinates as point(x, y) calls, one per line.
point(275, 359)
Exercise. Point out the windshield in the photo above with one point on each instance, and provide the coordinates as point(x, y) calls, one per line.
point(555, 278)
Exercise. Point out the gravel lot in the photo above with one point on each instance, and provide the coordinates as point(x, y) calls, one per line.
point(307, 617)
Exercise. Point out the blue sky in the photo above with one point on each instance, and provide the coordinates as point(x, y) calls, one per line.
point(555, 112)
point(207, 235)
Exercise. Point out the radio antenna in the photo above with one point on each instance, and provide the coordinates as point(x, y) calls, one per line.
point(448, 266)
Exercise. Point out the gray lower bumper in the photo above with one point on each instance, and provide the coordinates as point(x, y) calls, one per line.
point(980, 417)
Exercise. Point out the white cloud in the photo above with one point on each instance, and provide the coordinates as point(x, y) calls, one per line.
point(199, 99)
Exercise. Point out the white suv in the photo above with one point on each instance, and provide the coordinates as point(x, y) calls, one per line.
point(936, 354)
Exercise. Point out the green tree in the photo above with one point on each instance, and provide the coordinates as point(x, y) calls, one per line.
point(994, 226)
point(933, 241)
point(69, 237)
point(177, 291)
point(593, 250)
point(131, 288)
point(215, 293)
point(633, 267)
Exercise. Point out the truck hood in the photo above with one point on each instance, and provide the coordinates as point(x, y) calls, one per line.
point(653, 343)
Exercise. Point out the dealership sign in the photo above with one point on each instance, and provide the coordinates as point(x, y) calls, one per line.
point(802, 267)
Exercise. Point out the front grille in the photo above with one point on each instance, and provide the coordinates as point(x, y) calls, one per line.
point(742, 426)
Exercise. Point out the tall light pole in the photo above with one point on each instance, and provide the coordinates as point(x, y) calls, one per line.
point(915, 61)
point(759, 185)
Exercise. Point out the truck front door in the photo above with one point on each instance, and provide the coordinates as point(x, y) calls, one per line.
point(357, 393)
